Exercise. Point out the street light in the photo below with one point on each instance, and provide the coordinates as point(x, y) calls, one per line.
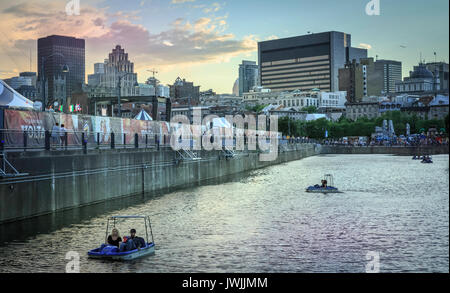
point(64, 69)
point(119, 105)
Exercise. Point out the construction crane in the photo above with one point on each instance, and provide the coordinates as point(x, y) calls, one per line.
point(153, 71)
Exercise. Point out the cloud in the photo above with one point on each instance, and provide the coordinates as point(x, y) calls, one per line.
point(181, 1)
point(364, 46)
point(271, 37)
point(181, 45)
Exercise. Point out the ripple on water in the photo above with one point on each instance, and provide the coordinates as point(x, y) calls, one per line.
point(265, 222)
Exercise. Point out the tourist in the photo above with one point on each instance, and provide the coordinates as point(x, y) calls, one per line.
point(55, 134)
point(132, 242)
point(114, 239)
point(62, 134)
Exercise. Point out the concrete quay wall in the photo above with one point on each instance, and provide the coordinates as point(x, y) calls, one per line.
point(59, 180)
point(400, 151)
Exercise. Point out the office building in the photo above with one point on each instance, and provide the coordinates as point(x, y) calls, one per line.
point(116, 68)
point(306, 62)
point(248, 76)
point(391, 71)
point(60, 52)
point(361, 79)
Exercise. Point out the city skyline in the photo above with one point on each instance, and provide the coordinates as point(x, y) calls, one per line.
point(195, 38)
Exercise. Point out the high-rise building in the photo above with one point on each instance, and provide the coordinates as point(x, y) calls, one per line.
point(248, 76)
point(361, 79)
point(236, 88)
point(306, 62)
point(59, 52)
point(117, 67)
point(391, 71)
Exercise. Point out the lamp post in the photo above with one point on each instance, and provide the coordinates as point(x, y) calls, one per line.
point(119, 105)
point(65, 69)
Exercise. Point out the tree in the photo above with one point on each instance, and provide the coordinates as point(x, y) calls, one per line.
point(310, 109)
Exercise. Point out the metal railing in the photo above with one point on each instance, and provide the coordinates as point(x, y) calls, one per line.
point(18, 140)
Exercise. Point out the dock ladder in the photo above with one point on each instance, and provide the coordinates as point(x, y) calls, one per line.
point(228, 152)
point(7, 169)
point(187, 155)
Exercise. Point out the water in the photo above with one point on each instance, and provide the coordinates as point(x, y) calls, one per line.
point(265, 222)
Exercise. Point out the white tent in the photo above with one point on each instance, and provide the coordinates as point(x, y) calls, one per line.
point(221, 122)
point(143, 116)
point(10, 98)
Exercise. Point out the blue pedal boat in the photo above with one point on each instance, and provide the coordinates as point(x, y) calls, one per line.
point(106, 251)
point(329, 188)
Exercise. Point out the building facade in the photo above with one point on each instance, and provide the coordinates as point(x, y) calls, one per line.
point(248, 76)
point(59, 52)
point(440, 69)
point(305, 62)
point(361, 79)
point(421, 81)
point(391, 71)
point(354, 111)
point(116, 68)
point(182, 89)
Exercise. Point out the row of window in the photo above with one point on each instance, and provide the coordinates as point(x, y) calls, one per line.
point(296, 60)
point(299, 102)
point(297, 74)
point(310, 79)
point(297, 65)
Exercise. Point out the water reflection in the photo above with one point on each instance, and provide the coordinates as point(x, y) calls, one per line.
point(265, 222)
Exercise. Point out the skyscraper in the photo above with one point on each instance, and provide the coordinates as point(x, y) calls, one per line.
point(306, 62)
point(248, 76)
point(57, 52)
point(107, 74)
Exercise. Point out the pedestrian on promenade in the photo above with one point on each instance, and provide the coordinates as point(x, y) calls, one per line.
point(55, 134)
point(62, 133)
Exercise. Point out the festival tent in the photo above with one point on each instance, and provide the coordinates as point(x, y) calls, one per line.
point(221, 122)
point(10, 98)
point(143, 116)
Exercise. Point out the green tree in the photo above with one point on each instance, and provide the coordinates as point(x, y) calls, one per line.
point(310, 109)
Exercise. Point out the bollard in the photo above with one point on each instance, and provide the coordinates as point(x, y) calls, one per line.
point(98, 139)
point(156, 142)
point(136, 140)
point(146, 140)
point(113, 144)
point(25, 141)
point(66, 139)
point(47, 140)
point(124, 140)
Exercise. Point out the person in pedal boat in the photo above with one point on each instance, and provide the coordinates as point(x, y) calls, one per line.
point(114, 239)
point(132, 242)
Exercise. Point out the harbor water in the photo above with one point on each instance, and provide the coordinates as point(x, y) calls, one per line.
point(263, 221)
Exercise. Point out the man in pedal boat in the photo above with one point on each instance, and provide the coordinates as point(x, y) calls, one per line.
point(132, 242)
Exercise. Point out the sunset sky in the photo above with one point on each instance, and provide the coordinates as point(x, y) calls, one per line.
point(205, 40)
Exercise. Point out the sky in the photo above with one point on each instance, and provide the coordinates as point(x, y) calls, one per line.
point(205, 40)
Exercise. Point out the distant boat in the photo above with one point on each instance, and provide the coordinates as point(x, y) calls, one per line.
point(427, 160)
point(326, 187)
